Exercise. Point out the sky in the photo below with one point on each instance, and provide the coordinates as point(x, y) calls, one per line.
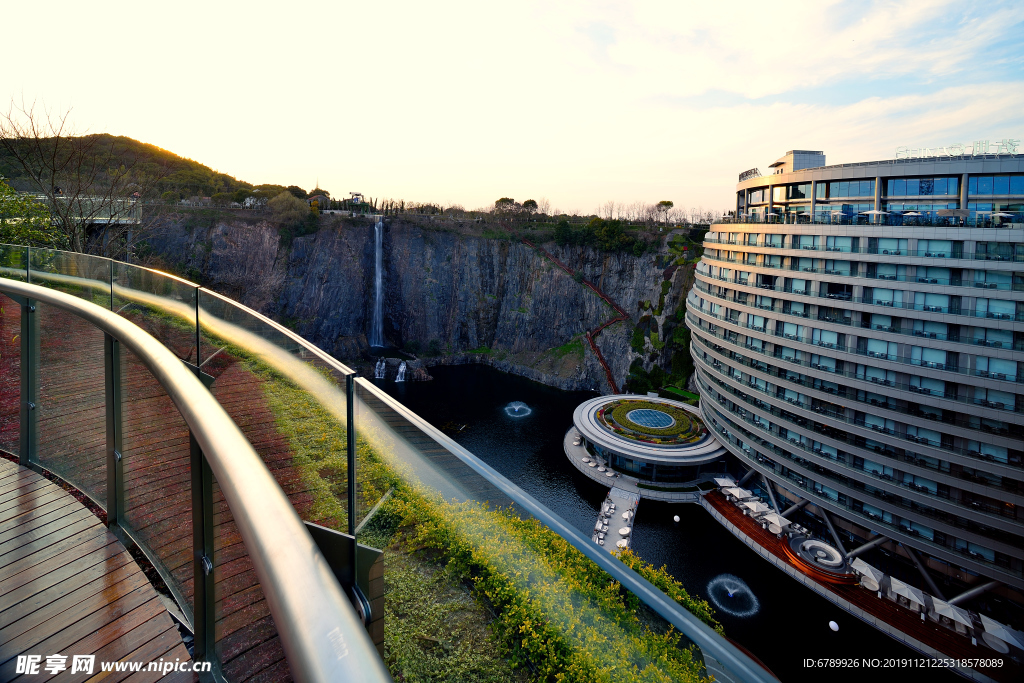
point(580, 103)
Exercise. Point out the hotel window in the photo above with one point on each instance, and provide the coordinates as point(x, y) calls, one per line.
point(1000, 184)
point(802, 191)
point(851, 188)
point(913, 187)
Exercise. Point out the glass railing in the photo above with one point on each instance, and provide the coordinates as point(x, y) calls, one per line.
point(877, 355)
point(917, 253)
point(805, 482)
point(890, 220)
point(893, 489)
point(879, 383)
point(849, 298)
point(1001, 431)
point(855, 273)
point(779, 308)
point(393, 480)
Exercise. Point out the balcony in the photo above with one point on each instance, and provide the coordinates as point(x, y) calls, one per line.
point(247, 466)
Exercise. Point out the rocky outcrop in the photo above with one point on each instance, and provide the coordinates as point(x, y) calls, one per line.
point(449, 298)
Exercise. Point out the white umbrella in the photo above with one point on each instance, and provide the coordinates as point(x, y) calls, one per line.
point(865, 569)
point(622, 543)
point(1001, 632)
point(724, 482)
point(1002, 214)
point(776, 519)
point(875, 212)
point(907, 591)
point(913, 213)
point(756, 507)
point(955, 613)
point(624, 531)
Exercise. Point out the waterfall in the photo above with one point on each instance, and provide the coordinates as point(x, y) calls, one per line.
point(401, 372)
point(379, 369)
point(377, 328)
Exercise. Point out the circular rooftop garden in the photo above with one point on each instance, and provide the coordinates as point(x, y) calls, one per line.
point(650, 422)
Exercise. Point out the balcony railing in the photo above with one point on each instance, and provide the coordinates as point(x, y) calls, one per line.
point(982, 221)
point(112, 412)
point(1000, 432)
point(849, 506)
point(917, 253)
point(872, 301)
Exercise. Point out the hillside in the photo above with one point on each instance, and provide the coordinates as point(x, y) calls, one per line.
point(175, 174)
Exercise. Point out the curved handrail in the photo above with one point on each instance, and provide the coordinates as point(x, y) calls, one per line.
point(322, 637)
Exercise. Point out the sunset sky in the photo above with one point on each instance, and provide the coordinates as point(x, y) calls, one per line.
point(578, 102)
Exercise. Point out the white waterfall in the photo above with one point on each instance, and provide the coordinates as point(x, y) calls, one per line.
point(379, 369)
point(377, 327)
point(401, 372)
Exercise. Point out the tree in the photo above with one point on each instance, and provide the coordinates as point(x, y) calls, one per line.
point(543, 206)
point(92, 186)
point(288, 209)
point(25, 220)
point(504, 205)
point(530, 206)
point(297, 191)
point(663, 206)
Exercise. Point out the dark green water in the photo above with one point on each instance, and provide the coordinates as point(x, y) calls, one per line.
point(790, 622)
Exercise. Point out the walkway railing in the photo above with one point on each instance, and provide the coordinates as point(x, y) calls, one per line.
point(207, 448)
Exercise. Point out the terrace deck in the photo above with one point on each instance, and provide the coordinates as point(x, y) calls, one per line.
point(872, 609)
point(68, 587)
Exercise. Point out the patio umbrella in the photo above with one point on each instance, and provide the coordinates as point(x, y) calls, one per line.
point(1002, 633)
point(865, 569)
point(1003, 214)
point(909, 592)
point(953, 612)
point(776, 519)
point(724, 482)
point(961, 213)
point(913, 213)
point(875, 212)
point(756, 507)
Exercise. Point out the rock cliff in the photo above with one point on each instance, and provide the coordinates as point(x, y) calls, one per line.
point(449, 297)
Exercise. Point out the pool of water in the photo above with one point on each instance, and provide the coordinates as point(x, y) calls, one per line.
point(764, 610)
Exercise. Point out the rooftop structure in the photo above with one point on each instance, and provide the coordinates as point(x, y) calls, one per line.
point(648, 440)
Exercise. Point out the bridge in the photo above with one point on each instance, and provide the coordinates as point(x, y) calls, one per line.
point(187, 481)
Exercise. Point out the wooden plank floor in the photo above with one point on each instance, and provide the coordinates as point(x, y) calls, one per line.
point(68, 587)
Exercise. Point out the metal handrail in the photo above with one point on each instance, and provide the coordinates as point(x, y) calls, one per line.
point(322, 637)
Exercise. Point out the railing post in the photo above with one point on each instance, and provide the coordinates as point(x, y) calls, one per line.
point(350, 436)
point(115, 468)
point(203, 612)
point(29, 413)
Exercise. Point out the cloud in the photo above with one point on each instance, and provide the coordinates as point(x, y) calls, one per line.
point(582, 102)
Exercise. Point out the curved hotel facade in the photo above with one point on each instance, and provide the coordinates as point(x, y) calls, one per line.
point(858, 333)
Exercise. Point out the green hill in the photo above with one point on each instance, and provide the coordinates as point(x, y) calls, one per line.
point(176, 175)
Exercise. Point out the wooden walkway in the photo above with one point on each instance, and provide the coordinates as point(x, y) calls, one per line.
point(68, 587)
point(930, 633)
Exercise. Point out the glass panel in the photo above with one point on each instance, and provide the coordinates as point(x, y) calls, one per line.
point(13, 262)
point(1001, 184)
point(10, 374)
point(157, 475)
point(161, 304)
point(514, 549)
point(72, 417)
point(82, 275)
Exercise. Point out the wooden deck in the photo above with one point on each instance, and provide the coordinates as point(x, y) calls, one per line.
point(940, 638)
point(68, 587)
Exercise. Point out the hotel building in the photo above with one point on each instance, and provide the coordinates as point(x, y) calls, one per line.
point(858, 333)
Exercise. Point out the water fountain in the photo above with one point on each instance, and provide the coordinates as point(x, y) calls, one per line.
point(401, 372)
point(379, 369)
point(377, 325)
point(733, 596)
point(517, 409)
